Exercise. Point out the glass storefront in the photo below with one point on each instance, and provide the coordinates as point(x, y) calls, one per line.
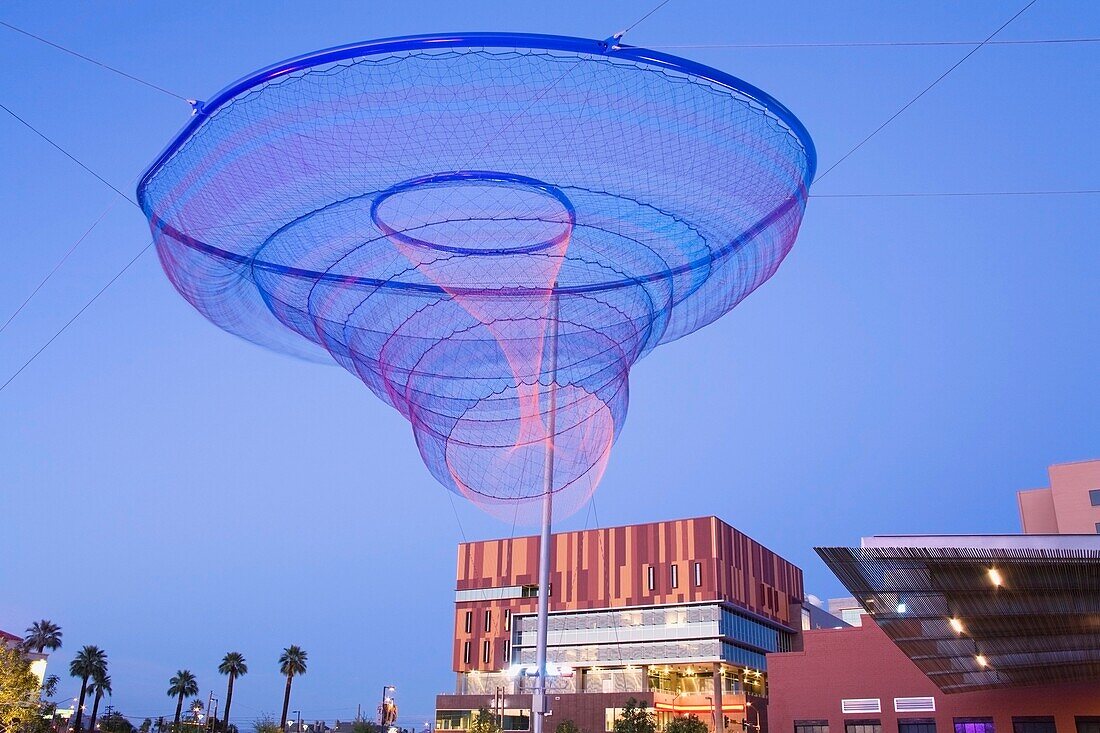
point(514, 719)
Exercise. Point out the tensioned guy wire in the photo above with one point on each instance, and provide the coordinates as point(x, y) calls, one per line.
point(68, 323)
point(94, 298)
point(57, 266)
point(67, 154)
point(631, 27)
point(876, 44)
point(924, 91)
point(100, 64)
point(948, 194)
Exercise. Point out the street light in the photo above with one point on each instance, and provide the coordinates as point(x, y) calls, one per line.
point(382, 708)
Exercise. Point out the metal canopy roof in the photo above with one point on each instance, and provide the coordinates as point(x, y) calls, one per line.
point(982, 612)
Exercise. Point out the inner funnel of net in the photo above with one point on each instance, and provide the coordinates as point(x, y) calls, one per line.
point(480, 213)
point(492, 415)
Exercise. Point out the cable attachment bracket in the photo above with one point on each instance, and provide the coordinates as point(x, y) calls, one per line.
point(612, 43)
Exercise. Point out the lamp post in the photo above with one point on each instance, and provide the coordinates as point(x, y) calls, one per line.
point(382, 708)
point(298, 716)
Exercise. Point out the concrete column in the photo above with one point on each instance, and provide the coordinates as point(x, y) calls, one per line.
point(719, 725)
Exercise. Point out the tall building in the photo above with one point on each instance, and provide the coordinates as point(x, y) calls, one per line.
point(678, 615)
point(1070, 505)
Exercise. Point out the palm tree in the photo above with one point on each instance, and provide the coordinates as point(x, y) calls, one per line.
point(233, 665)
point(292, 662)
point(89, 661)
point(181, 686)
point(42, 635)
point(196, 710)
point(101, 684)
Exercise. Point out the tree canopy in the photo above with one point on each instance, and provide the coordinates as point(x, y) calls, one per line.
point(484, 722)
point(18, 689)
point(635, 718)
point(686, 724)
point(42, 635)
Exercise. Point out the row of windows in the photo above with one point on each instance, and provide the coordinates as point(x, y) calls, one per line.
point(469, 625)
point(674, 575)
point(487, 652)
point(655, 624)
point(1030, 724)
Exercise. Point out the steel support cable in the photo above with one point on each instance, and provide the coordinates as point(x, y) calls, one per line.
point(941, 194)
point(67, 154)
point(876, 44)
point(68, 323)
point(102, 290)
point(924, 91)
point(100, 64)
point(57, 266)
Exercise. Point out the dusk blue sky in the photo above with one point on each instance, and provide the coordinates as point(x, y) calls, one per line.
point(171, 493)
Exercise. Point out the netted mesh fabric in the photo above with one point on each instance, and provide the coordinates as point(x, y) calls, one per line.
point(489, 238)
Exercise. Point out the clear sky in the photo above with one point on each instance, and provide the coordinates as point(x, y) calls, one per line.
point(171, 493)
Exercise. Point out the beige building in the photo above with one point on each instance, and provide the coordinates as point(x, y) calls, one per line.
point(38, 661)
point(1070, 505)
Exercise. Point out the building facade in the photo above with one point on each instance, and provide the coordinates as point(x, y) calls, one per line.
point(37, 661)
point(857, 680)
point(1070, 505)
point(962, 633)
point(678, 615)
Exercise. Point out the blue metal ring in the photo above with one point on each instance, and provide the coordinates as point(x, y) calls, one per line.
point(534, 41)
point(508, 179)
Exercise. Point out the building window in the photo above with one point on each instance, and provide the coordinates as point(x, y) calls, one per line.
point(488, 620)
point(917, 725)
point(698, 574)
point(674, 575)
point(486, 652)
point(1034, 724)
point(465, 652)
point(507, 619)
point(863, 726)
point(810, 726)
point(652, 577)
point(469, 621)
point(1090, 724)
point(506, 656)
point(1098, 528)
point(1094, 497)
point(915, 704)
point(973, 725)
point(529, 591)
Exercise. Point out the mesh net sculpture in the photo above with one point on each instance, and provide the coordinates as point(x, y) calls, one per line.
point(488, 229)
